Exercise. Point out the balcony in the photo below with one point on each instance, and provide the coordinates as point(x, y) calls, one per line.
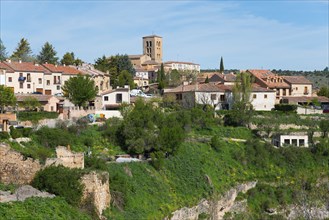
point(57, 82)
point(21, 79)
point(306, 93)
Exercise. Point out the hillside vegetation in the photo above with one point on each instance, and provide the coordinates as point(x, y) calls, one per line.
point(194, 156)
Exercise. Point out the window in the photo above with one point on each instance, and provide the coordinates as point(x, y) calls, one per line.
point(305, 90)
point(40, 80)
point(179, 96)
point(119, 98)
point(54, 79)
point(301, 142)
point(10, 79)
point(20, 74)
point(284, 92)
point(286, 141)
point(222, 98)
point(28, 77)
point(58, 87)
point(48, 82)
point(150, 43)
point(294, 142)
point(213, 96)
point(28, 86)
point(254, 96)
point(52, 108)
point(106, 98)
point(265, 96)
point(296, 88)
point(21, 85)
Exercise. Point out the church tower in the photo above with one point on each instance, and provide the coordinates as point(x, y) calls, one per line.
point(152, 46)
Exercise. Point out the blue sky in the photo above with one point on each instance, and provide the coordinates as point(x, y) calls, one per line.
point(248, 34)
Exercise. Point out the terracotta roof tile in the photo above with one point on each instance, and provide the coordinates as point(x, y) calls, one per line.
point(296, 80)
point(26, 67)
point(61, 69)
point(40, 98)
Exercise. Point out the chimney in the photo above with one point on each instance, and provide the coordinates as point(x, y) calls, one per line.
point(64, 64)
point(8, 60)
point(55, 65)
point(20, 61)
point(36, 64)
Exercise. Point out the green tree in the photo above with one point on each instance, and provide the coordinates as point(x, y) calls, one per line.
point(207, 80)
point(7, 97)
point(125, 78)
point(69, 186)
point(102, 64)
point(23, 51)
point(324, 127)
point(79, 90)
point(78, 62)
point(3, 52)
point(324, 91)
point(174, 78)
point(221, 67)
point(115, 65)
point(161, 78)
point(242, 109)
point(47, 54)
point(68, 58)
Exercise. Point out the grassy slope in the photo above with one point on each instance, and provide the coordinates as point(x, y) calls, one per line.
point(41, 208)
point(149, 194)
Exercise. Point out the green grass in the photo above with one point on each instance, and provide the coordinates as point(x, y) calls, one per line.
point(36, 116)
point(40, 209)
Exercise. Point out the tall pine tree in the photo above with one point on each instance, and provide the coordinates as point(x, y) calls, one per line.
point(3, 52)
point(161, 78)
point(23, 51)
point(47, 54)
point(221, 67)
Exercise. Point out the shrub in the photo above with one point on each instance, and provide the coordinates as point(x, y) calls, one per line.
point(4, 135)
point(60, 181)
point(285, 107)
point(53, 137)
point(36, 116)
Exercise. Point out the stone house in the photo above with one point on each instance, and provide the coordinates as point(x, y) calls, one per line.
point(48, 103)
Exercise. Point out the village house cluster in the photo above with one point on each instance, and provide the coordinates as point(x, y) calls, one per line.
point(44, 82)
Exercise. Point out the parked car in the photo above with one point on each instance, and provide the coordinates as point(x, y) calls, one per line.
point(38, 93)
point(139, 93)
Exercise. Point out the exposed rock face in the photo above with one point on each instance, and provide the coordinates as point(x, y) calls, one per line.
point(215, 209)
point(308, 213)
point(97, 189)
point(14, 168)
point(23, 193)
point(66, 158)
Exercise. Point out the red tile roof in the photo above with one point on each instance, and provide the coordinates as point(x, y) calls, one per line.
point(269, 79)
point(296, 80)
point(40, 98)
point(6, 67)
point(223, 77)
point(26, 67)
point(62, 69)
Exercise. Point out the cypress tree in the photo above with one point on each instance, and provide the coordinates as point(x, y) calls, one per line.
point(221, 68)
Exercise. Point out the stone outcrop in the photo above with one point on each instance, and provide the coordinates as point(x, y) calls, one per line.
point(214, 209)
point(97, 190)
point(14, 168)
point(23, 193)
point(66, 158)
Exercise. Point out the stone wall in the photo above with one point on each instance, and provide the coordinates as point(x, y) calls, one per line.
point(14, 168)
point(215, 209)
point(66, 158)
point(97, 190)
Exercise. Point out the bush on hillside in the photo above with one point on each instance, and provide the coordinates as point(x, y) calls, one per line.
point(53, 137)
point(285, 107)
point(60, 181)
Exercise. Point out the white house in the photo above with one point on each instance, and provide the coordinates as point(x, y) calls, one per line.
point(184, 66)
point(262, 99)
point(112, 99)
point(295, 140)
